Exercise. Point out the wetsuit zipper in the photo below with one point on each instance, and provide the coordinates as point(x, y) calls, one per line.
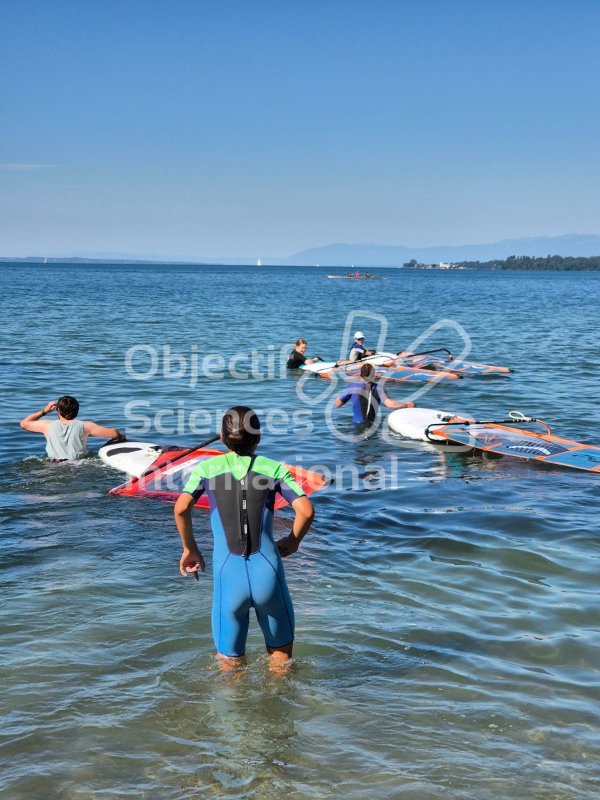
point(244, 521)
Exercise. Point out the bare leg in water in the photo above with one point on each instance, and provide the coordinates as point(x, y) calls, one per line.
point(281, 657)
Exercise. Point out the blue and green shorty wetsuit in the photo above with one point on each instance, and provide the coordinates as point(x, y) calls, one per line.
point(247, 568)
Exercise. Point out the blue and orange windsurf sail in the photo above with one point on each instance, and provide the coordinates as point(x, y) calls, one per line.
point(391, 371)
point(508, 440)
point(435, 360)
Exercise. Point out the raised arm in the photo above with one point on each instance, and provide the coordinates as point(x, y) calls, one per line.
point(305, 514)
point(191, 559)
point(34, 423)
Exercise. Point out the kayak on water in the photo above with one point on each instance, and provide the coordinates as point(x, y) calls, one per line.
point(359, 277)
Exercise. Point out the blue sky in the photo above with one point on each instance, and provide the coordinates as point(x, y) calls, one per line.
point(202, 129)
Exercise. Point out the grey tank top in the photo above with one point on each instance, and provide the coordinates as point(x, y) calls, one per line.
point(66, 440)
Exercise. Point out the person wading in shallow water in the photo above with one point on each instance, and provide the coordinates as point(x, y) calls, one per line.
point(247, 567)
point(367, 396)
point(358, 350)
point(297, 357)
point(66, 437)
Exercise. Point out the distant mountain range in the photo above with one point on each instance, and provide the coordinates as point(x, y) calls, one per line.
point(376, 255)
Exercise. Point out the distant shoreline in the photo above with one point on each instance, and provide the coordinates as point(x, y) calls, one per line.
point(43, 260)
point(520, 263)
point(512, 263)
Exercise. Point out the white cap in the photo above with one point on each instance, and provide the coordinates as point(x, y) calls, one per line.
point(359, 335)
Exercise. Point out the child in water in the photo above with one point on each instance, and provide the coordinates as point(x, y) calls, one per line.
point(247, 567)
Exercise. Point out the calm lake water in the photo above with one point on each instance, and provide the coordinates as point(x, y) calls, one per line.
point(448, 606)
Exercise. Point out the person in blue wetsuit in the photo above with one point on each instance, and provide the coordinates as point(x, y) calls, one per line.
point(247, 567)
point(367, 396)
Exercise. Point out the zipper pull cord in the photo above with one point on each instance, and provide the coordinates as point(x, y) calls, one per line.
point(245, 521)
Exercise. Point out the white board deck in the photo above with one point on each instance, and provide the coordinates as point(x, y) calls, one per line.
point(378, 360)
point(412, 423)
point(133, 458)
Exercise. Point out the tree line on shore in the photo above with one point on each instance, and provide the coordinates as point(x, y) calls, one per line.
point(561, 263)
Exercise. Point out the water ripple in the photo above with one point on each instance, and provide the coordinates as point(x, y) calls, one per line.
point(447, 622)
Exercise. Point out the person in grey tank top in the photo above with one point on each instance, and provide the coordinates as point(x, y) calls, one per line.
point(66, 436)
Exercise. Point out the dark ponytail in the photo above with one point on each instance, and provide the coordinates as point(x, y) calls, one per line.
point(240, 430)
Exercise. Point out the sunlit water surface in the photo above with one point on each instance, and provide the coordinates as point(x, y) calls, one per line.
point(447, 605)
